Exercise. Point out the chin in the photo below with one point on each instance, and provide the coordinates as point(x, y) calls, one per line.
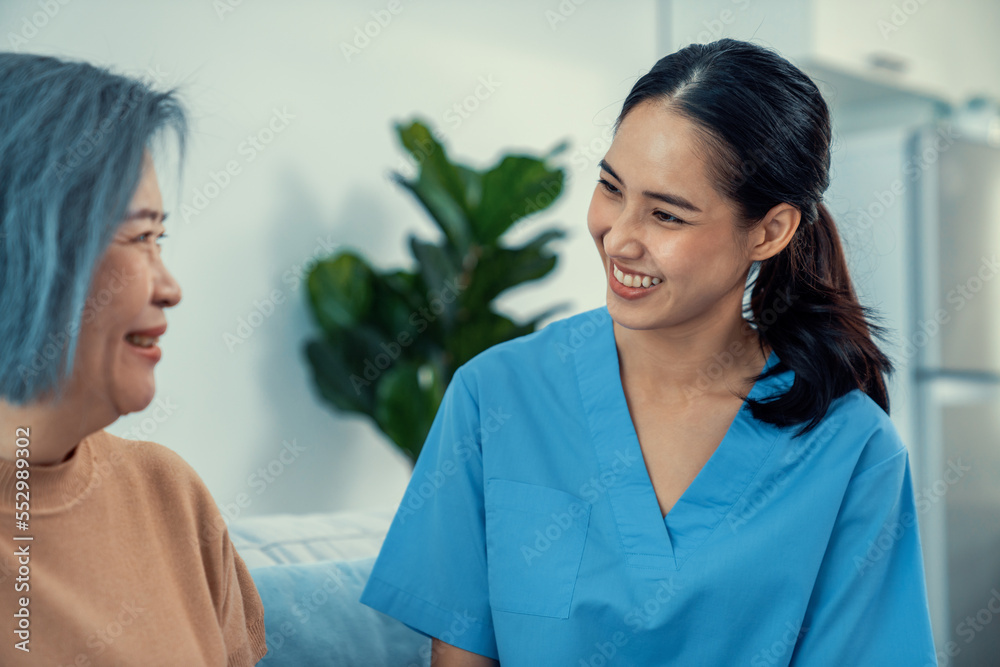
point(136, 398)
point(624, 314)
point(633, 315)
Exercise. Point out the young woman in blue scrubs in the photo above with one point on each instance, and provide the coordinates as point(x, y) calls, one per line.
point(674, 479)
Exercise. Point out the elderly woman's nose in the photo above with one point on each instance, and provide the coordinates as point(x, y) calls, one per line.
point(168, 290)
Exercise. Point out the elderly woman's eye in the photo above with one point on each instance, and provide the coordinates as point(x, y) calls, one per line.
point(142, 237)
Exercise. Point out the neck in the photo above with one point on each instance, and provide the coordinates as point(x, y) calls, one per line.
point(53, 429)
point(680, 367)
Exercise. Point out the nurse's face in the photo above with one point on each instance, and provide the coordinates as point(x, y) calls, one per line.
point(130, 291)
point(668, 241)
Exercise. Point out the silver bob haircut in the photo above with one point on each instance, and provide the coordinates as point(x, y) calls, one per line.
point(72, 140)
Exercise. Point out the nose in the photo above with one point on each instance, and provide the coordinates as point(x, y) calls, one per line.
point(622, 237)
point(167, 291)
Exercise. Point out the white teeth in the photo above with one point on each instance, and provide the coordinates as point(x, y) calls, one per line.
point(630, 280)
point(141, 341)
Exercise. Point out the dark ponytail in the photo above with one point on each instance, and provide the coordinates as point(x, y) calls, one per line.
point(766, 130)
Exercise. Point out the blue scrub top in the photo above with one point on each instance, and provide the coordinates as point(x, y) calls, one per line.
point(530, 531)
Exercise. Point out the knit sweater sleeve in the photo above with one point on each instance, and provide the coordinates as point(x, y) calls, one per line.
point(241, 614)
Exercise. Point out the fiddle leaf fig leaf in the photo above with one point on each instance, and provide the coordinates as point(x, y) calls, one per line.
point(340, 291)
point(390, 341)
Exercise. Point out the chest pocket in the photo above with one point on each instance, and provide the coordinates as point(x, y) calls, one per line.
point(534, 545)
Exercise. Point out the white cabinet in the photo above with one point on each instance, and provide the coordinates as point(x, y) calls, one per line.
point(945, 50)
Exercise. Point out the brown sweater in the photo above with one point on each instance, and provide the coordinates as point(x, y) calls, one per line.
point(130, 564)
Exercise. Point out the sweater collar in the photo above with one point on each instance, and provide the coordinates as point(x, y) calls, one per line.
point(51, 488)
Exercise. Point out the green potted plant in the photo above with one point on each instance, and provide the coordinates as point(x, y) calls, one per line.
point(390, 342)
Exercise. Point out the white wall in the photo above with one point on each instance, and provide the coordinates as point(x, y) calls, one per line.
point(320, 184)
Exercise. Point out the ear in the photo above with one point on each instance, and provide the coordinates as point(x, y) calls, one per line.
point(774, 232)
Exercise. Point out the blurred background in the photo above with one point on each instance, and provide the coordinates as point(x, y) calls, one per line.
point(293, 109)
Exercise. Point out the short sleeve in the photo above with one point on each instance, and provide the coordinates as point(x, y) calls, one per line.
point(241, 613)
point(430, 573)
point(869, 603)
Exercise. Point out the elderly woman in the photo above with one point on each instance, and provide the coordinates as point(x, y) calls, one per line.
point(113, 550)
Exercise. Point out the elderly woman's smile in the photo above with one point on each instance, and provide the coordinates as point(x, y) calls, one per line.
point(118, 345)
point(146, 339)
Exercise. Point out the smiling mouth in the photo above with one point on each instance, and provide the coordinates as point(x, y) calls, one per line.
point(633, 280)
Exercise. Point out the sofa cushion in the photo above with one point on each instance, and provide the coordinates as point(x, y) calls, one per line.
point(312, 617)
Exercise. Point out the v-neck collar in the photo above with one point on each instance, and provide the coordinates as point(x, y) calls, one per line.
point(649, 539)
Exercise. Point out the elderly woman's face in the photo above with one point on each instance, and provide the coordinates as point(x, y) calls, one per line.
point(130, 291)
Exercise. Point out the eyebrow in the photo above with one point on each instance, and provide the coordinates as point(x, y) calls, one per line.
point(675, 200)
point(146, 213)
